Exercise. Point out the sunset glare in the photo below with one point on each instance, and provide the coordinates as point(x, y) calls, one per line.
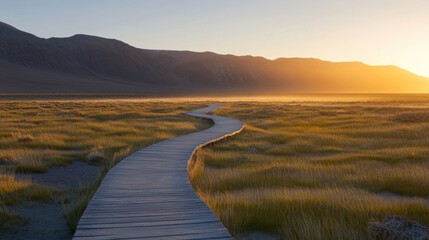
point(382, 32)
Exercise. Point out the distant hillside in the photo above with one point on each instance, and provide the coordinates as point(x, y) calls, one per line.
point(88, 64)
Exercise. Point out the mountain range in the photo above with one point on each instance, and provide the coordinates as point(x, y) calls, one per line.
point(90, 64)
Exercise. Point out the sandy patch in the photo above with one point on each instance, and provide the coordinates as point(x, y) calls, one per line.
point(45, 220)
point(71, 176)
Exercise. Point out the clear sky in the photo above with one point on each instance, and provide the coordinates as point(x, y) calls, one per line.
point(377, 32)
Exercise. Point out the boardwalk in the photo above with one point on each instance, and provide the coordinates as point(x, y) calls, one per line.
point(148, 195)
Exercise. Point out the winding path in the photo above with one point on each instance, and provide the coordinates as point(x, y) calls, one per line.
point(148, 195)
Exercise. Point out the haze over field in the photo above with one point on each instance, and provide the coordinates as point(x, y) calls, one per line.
point(90, 64)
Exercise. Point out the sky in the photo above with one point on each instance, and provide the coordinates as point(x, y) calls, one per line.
point(376, 32)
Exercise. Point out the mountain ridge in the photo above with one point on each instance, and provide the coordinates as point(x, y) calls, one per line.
point(89, 64)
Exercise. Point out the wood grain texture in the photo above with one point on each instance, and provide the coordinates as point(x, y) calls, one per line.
point(148, 195)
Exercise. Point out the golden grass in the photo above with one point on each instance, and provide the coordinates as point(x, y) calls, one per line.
point(36, 135)
point(14, 190)
point(317, 170)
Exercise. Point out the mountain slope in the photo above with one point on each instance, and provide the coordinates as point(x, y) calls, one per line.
point(88, 64)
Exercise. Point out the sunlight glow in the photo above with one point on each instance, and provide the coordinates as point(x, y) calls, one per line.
point(382, 32)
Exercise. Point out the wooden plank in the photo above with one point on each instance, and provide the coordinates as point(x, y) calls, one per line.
point(148, 195)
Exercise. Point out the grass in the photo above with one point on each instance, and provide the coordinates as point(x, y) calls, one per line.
point(9, 219)
point(14, 191)
point(317, 170)
point(73, 213)
point(36, 135)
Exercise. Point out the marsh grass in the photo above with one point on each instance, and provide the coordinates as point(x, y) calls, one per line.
point(73, 212)
point(36, 135)
point(15, 190)
point(317, 170)
point(9, 219)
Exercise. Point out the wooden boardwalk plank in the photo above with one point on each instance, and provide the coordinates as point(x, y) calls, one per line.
point(148, 195)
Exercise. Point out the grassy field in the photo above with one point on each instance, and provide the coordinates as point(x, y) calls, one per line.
point(317, 170)
point(36, 135)
point(308, 170)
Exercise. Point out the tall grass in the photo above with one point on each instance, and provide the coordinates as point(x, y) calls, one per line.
point(36, 135)
point(317, 170)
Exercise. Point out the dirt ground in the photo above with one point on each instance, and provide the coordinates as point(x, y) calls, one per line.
point(45, 220)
